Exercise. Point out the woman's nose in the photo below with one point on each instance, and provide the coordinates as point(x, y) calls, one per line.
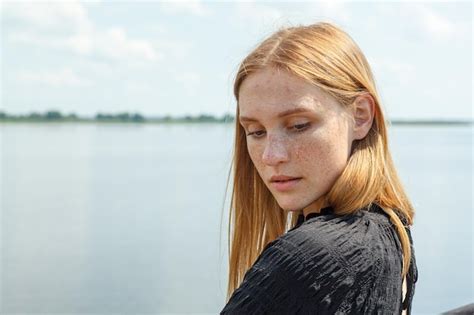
point(275, 151)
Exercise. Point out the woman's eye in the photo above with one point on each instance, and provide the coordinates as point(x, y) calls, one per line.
point(297, 128)
point(254, 134)
point(301, 127)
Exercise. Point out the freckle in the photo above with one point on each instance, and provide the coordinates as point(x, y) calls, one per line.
point(303, 153)
point(298, 153)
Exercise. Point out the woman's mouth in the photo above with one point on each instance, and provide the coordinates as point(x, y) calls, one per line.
point(284, 185)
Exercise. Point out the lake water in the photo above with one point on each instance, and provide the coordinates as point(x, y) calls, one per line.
point(127, 219)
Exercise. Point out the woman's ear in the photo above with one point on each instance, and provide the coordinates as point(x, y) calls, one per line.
point(363, 111)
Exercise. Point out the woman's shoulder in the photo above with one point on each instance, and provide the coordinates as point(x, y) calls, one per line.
point(323, 265)
point(338, 233)
point(314, 266)
point(336, 246)
point(364, 243)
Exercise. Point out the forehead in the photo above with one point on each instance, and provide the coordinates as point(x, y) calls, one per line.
point(271, 91)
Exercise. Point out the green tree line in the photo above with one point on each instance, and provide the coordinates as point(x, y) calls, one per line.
point(55, 115)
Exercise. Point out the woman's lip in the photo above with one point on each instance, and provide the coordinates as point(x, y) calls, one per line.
point(286, 185)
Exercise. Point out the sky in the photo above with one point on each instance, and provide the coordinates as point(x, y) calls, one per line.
point(179, 58)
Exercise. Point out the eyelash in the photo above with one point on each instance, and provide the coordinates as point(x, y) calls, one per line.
point(303, 128)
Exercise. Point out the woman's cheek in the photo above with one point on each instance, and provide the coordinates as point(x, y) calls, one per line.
point(309, 149)
point(254, 153)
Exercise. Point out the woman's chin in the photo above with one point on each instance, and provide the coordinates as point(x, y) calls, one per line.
point(290, 206)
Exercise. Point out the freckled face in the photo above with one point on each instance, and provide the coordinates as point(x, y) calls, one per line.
point(313, 145)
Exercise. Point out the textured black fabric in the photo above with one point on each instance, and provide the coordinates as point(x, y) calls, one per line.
point(329, 264)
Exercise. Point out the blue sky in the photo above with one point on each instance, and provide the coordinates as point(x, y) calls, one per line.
point(177, 58)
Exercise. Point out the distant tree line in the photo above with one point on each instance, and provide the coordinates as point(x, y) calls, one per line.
point(120, 117)
point(54, 115)
point(35, 116)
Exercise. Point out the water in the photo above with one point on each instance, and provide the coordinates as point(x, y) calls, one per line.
point(126, 218)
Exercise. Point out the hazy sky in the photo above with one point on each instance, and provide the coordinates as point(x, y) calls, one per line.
point(177, 58)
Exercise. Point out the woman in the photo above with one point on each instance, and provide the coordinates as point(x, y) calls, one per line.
point(320, 220)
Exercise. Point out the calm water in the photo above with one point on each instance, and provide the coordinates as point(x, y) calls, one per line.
point(126, 218)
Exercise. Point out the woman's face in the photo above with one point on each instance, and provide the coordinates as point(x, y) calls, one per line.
point(312, 145)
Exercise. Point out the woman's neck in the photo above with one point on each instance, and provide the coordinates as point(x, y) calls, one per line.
point(315, 207)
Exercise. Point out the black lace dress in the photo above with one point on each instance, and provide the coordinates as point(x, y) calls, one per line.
point(329, 264)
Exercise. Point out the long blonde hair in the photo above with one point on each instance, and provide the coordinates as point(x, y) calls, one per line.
point(327, 57)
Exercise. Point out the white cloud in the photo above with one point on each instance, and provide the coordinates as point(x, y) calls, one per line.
point(267, 17)
point(178, 49)
point(81, 43)
point(251, 13)
point(401, 72)
point(434, 23)
point(81, 36)
point(115, 43)
point(329, 10)
point(112, 43)
point(195, 7)
point(59, 78)
point(49, 15)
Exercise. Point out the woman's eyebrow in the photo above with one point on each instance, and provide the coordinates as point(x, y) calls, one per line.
point(282, 114)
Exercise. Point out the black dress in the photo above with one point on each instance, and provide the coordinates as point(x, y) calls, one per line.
point(329, 264)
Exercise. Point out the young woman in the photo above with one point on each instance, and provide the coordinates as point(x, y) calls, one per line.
point(319, 220)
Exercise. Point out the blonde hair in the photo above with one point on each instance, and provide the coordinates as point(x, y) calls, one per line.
point(327, 57)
